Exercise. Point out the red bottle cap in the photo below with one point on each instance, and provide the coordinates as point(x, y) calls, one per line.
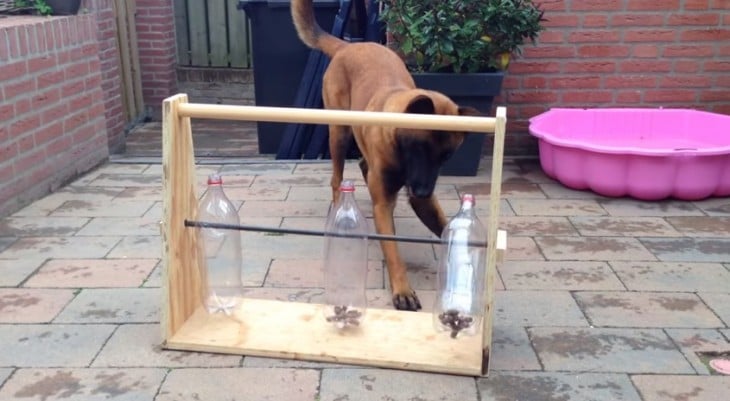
point(347, 186)
point(468, 197)
point(215, 179)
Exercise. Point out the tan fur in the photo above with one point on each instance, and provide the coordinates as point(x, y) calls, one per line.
point(369, 76)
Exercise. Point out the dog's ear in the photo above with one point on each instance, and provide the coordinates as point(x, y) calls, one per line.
point(469, 111)
point(421, 105)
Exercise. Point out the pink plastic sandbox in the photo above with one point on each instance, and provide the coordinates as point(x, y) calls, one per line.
point(648, 154)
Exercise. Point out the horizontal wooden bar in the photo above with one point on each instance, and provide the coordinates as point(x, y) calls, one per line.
point(337, 117)
point(293, 330)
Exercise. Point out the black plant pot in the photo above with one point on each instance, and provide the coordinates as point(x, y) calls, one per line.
point(476, 90)
point(64, 7)
point(279, 58)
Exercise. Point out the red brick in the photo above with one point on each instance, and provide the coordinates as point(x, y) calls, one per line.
point(693, 51)
point(7, 112)
point(29, 161)
point(74, 121)
point(48, 133)
point(657, 35)
point(696, 4)
point(7, 152)
point(630, 81)
point(594, 36)
point(72, 87)
point(532, 97)
point(538, 82)
point(561, 20)
point(717, 66)
point(58, 146)
point(645, 51)
point(721, 4)
point(721, 108)
point(22, 106)
point(643, 20)
point(655, 5)
point(714, 35)
point(595, 5)
point(49, 78)
point(533, 67)
point(589, 66)
point(12, 70)
point(552, 37)
point(687, 66)
point(685, 81)
point(41, 63)
point(595, 20)
point(670, 96)
point(586, 97)
point(704, 19)
point(56, 113)
point(578, 82)
point(628, 97)
point(606, 51)
point(715, 96)
point(24, 125)
point(19, 88)
point(645, 66)
point(78, 69)
point(41, 100)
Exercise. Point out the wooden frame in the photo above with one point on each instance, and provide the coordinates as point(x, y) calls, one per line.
point(389, 338)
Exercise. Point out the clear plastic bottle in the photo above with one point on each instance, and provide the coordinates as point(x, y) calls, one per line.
point(345, 261)
point(222, 250)
point(459, 302)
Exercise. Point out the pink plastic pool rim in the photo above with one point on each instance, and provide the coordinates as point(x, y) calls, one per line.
point(648, 154)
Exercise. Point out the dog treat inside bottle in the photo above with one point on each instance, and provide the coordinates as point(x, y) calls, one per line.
point(345, 261)
point(461, 273)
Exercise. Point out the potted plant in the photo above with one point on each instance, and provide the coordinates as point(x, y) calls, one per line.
point(49, 7)
point(461, 48)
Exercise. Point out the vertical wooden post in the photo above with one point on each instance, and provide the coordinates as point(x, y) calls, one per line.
point(493, 224)
point(181, 258)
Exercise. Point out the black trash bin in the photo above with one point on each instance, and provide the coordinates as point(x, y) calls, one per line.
point(279, 57)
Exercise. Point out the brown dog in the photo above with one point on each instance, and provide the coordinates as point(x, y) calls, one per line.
point(369, 76)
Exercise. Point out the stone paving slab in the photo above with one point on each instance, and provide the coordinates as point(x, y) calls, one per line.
point(137, 247)
point(624, 226)
point(60, 247)
point(536, 225)
point(15, 271)
point(51, 202)
point(30, 305)
point(689, 249)
point(260, 362)
point(141, 193)
point(382, 384)
point(682, 388)
point(111, 180)
point(511, 349)
point(130, 226)
point(536, 308)
point(646, 309)
point(5, 242)
point(607, 350)
point(309, 273)
point(257, 193)
point(37, 226)
point(83, 384)
point(691, 341)
point(555, 190)
point(719, 303)
point(4, 374)
point(509, 190)
point(700, 226)
point(633, 207)
point(598, 248)
point(514, 386)
point(552, 207)
point(58, 345)
point(522, 248)
point(89, 273)
point(139, 345)
point(714, 206)
point(526, 275)
point(240, 384)
point(670, 276)
point(91, 208)
point(113, 305)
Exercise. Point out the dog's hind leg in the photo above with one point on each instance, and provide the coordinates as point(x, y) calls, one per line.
point(429, 212)
point(339, 140)
point(364, 169)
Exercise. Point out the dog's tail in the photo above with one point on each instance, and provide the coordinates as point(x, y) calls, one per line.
point(302, 12)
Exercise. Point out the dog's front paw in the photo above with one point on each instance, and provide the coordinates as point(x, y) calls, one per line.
point(407, 301)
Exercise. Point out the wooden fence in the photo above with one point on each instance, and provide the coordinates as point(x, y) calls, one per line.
point(212, 33)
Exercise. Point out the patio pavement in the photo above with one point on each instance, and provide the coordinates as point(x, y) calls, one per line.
point(599, 299)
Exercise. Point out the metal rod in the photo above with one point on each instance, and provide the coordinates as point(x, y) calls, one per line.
point(278, 230)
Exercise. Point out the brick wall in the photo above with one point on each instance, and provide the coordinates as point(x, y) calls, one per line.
point(51, 105)
point(157, 52)
point(621, 53)
point(111, 84)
